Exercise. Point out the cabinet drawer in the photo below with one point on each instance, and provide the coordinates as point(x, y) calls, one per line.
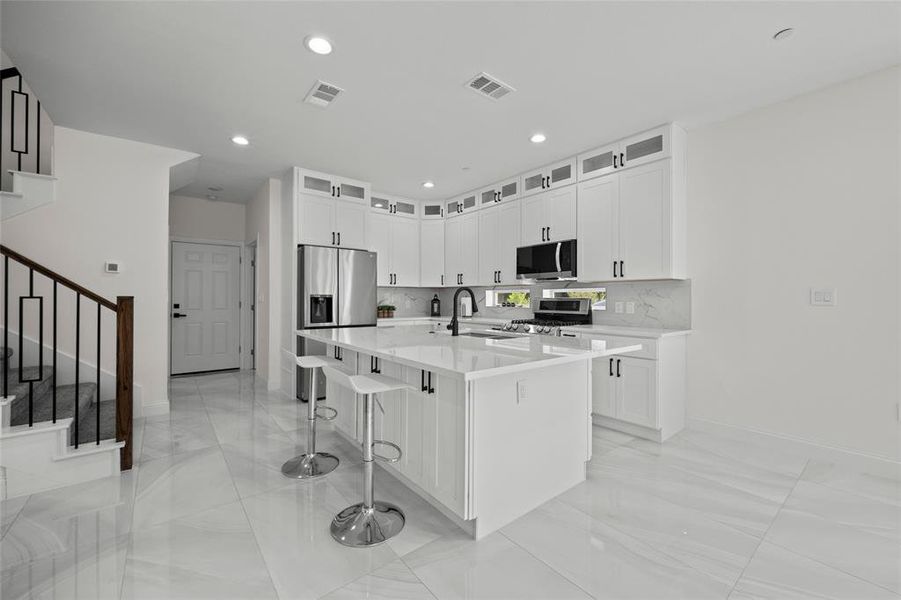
point(648, 345)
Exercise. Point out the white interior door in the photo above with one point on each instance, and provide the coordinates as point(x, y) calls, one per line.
point(205, 313)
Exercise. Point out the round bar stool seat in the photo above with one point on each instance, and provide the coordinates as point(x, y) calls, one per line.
point(312, 463)
point(371, 521)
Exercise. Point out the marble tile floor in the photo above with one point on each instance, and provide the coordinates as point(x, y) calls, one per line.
point(206, 513)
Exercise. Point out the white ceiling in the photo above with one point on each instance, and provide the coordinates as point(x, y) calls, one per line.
point(191, 74)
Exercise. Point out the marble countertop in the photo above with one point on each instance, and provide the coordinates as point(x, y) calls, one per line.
point(596, 328)
point(464, 356)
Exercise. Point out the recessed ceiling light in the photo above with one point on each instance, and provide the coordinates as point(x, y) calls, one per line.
point(318, 45)
point(240, 140)
point(428, 184)
point(537, 138)
point(783, 34)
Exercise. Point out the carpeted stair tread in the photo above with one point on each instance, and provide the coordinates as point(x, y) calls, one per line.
point(20, 389)
point(87, 424)
point(65, 404)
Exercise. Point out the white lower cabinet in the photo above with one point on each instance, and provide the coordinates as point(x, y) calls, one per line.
point(342, 399)
point(642, 394)
point(427, 422)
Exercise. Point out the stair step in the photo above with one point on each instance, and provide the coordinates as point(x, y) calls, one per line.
point(65, 404)
point(20, 389)
point(87, 424)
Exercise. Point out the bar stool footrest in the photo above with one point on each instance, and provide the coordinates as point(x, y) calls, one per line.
point(388, 459)
point(332, 413)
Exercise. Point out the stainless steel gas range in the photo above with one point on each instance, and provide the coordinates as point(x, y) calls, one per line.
point(552, 315)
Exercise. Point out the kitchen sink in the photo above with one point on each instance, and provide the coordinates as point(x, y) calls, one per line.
point(488, 335)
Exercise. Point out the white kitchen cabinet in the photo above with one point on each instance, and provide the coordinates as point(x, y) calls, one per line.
point(641, 393)
point(461, 250)
point(396, 242)
point(341, 398)
point(321, 184)
point(631, 224)
point(331, 222)
point(465, 203)
point(431, 262)
point(501, 192)
point(499, 228)
point(549, 177)
point(630, 152)
point(549, 217)
point(385, 204)
point(431, 210)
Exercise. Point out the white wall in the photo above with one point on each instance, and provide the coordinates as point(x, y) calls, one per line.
point(262, 225)
point(799, 194)
point(112, 203)
point(204, 219)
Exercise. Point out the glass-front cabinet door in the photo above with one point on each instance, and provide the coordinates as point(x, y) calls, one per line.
point(431, 210)
point(646, 147)
point(600, 161)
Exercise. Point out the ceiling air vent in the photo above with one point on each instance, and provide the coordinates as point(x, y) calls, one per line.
point(322, 94)
point(489, 85)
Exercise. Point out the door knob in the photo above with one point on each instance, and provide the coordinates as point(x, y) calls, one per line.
point(178, 315)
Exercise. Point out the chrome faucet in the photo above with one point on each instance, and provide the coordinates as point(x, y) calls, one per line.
point(454, 326)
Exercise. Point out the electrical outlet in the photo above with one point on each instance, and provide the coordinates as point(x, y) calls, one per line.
point(822, 296)
point(618, 307)
point(630, 308)
point(521, 391)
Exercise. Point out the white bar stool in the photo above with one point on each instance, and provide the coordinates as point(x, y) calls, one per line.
point(369, 522)
point(313, 463)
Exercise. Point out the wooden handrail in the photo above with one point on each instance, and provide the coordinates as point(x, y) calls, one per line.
point(5, 251)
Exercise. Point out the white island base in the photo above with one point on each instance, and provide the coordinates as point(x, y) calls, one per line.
point(488, 433)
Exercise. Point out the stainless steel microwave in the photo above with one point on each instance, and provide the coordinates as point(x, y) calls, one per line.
point(554, 260)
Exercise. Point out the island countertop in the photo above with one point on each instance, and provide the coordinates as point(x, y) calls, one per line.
point(421, 347)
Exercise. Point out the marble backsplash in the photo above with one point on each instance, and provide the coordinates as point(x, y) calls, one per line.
point(664, 303)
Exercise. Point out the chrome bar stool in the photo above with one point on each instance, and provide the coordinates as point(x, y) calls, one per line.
point(371, 521)
point(313, 463)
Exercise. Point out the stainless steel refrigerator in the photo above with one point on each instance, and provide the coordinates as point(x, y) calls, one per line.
point(336, 288)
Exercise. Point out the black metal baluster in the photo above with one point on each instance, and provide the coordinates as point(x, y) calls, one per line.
point(5, 326)
point(98, 374)
point(54, 352)
point(77, 356)
point(40, 350)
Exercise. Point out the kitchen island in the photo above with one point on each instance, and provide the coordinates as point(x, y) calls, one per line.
point(493, 426)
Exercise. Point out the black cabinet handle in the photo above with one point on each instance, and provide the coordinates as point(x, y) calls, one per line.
point(339, 191)
point(614, 162)
point(178, 316)
point(374, 365)
point(339, 238)
point(614, 268)
point(549, 233)
point(442, 280)
point(611, 367)
point(622, 161)
point(431, 389)
point(542, 234)
point(333, 190)
point(622, 271)
point(618, 362)
point(422, 385)
point(333, 238)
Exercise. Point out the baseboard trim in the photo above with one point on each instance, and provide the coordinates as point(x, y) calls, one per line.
point(817, 449)
point(155, 409)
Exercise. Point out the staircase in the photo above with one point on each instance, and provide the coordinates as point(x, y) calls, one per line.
point(60, 425)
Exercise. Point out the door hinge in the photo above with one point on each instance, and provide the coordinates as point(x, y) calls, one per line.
point(240, 260)
point(253, 263)
point(239, 348)
point(253, 307)
point(252, 352)
point(239, 304)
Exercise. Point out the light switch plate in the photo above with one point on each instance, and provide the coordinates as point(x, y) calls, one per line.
point(521, 390)
point(822, 296)
point(630, 308)
point(618, 307)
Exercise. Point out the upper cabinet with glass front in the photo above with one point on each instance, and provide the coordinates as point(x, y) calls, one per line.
point(392, 205)
point(431, 210)
point(462, 204)
point(549, 177)
point(322, 184)
point(630, 152)
point(502, 192)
